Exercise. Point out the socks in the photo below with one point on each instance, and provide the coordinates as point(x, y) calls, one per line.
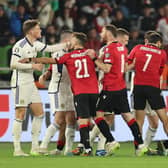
point(149, 135)
point(84, 133)
point(104, 128)
point(36, 130)
point(136, 132)
point(93, 134)
point(50, 132)
point(69, 136)
point(16, 132)
point(60, 145)
point(101, 142)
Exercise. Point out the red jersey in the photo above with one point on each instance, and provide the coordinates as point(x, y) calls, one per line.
point(81, 70)
point(149, 64)
point(114, 54)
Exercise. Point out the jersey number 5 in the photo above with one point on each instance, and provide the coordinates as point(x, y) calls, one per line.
point(81, 65)
point(149, 56)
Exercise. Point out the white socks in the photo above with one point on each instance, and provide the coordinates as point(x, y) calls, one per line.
point(50, 132)
point(101, 142)
point(16, 132)
point(149, 135)
point(36, 130)
point(93, 134)
point(69, 135)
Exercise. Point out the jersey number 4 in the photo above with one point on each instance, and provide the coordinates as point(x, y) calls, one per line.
point(149, 56)
point(81, 66)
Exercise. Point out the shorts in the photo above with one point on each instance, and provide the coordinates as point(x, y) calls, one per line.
point(150, 94)
point(61, 100)
point(85, 105)
point(25, 95)
point(113, 101)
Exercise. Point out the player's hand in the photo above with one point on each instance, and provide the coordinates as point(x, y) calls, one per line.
point(24, 60)
point(42, 80)
point(91, 53)
point(37, 67)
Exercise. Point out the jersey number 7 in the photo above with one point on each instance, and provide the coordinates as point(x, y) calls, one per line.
point(149, 56)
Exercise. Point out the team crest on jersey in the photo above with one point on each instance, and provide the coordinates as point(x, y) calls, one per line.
point(107, 55)
point(21, 101)
point(62, 105)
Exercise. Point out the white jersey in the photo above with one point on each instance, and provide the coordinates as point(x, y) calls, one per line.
point(23, 73)
point(100, 72)
point(59, 75)
point(24, 49)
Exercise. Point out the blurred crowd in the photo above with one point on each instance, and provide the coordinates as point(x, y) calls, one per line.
point(88, 16)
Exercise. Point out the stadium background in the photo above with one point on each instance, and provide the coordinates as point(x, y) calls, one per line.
point(88, 16)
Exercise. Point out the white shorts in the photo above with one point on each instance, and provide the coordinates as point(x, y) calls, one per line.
point(62, 100)
point(25, 95)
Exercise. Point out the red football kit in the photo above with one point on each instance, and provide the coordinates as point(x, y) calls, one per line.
point(114, 54)
point(149, 64)
point(81, 70)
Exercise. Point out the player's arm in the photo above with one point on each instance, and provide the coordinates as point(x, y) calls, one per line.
point(51, 48)
point(43, 60)
point(44, 77)
point(105, 67)
point(15, 64)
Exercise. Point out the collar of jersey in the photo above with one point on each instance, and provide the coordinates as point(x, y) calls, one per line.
point(28, 42)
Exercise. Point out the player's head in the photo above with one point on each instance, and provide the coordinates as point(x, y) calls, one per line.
point(78, 39)
point(66, 35)
point(109, 32)
point(147, 34)
point(155, 38)
point(32, 27)
point(122, 36)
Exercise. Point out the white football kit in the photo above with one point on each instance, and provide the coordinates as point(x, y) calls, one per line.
point(61, 97)
point(22, 81)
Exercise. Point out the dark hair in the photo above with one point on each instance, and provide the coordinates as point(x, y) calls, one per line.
point(154, 38)
point(112, 29)
point(121, 32)
point(82, 37)
point(148, 33)
point(29, 24)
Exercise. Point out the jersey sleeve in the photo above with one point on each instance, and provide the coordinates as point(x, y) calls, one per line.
point(49, 48)
point(108, 56)
point(163, 62)
point(50, 68)
point(131, 56)
point(17, 54)
point(63, 59)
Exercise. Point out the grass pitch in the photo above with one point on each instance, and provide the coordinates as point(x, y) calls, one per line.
point(124, 158)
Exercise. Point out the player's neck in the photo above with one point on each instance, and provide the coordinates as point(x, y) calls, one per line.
point(111, 40)
point(30, 39)
point(77, 47)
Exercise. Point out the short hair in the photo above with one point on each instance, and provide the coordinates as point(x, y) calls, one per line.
point(148, 33)
point(82, 37)
point(122, 32)
point(154, 38)
point(112, 29)
point(29, 24)
point(65, 34)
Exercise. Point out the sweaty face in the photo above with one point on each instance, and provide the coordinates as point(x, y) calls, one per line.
point(103, 34)
point(36, 32)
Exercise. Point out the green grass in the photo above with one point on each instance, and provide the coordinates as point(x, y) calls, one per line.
point(124, 158)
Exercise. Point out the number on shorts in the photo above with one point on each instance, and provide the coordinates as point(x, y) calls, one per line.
point(81, 64)
point(149, 56)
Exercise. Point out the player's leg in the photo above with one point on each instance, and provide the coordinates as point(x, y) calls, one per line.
point(70, 131)
point(152, 128)
point(52, 129)
point(109, 117)
point(60, 141)
point(21, 101)
point(17, 130)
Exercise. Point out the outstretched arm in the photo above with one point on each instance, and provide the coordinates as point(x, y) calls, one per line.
point(43, 60)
